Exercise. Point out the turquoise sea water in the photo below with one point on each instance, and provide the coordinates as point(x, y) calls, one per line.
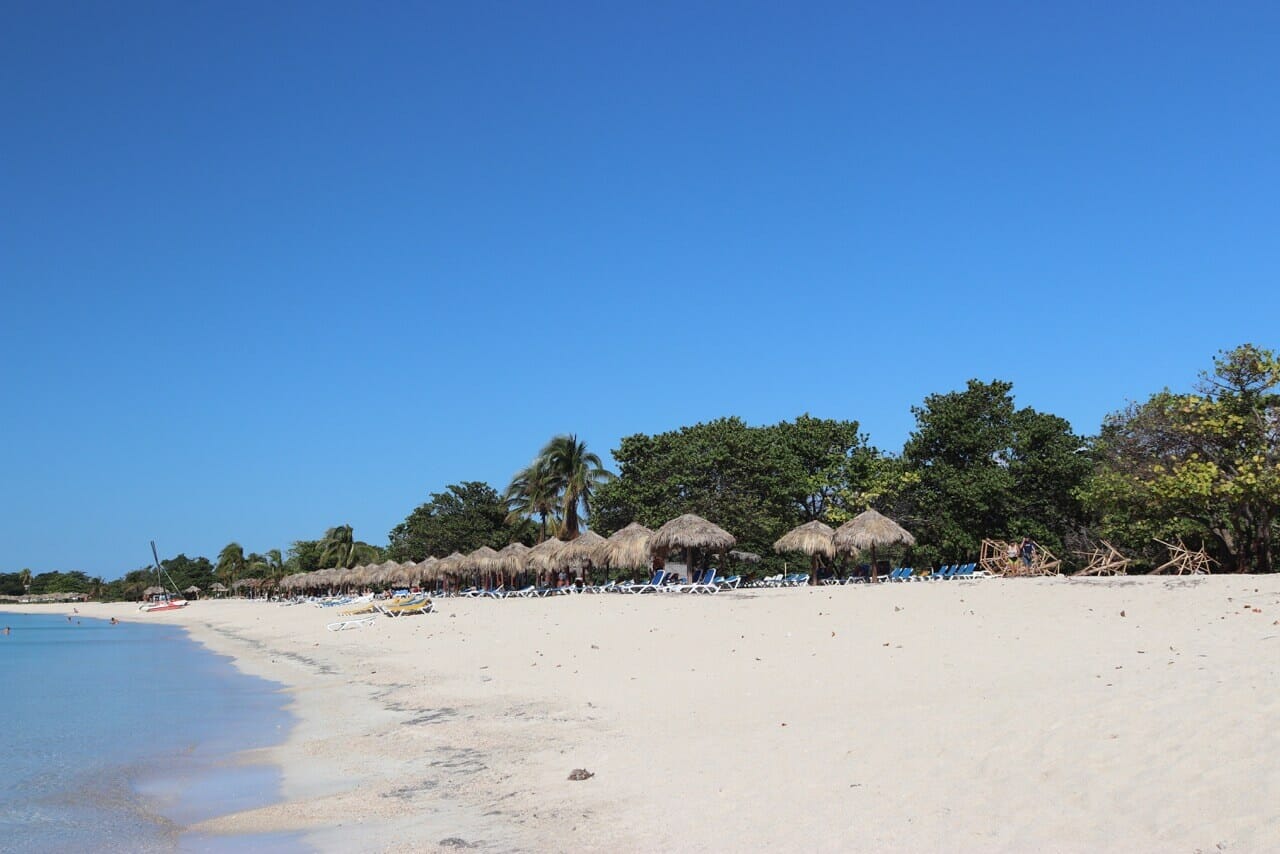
point(117, 738)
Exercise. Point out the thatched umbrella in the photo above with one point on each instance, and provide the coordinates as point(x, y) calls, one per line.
point(152, 591)
point(627, 549)
point(868, 531)
point(218, 587)
point(450, 568)
point(511, 559)
point(484, 561)
point(688, 532)
point(192, 590)
point(816, 539)
point(583, 550)
point(431, 571)
point(543, 557)
point(424, 571)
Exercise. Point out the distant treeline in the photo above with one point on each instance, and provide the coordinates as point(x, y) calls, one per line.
point(1202, 466)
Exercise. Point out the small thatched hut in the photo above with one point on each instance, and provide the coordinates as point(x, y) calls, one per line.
point(693, 534)
point(816, 539)
point(511, 560)
point(628, 548)
point(582, 552)
point(450, 568)
point(484, 563)
point(869, 531)
point(192, 591)
point(218, 588)
point(542, 558)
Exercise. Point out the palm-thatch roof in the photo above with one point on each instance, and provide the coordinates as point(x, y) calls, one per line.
point(542, 557)
point(745, 557)
point(153, 590)
point(871, 530)
point(811, 538)
point(628, 548)
point(451, 565)
point(511, 557)
point(691, 531)
point(192, 589)
point(218, 587)
point(483, 559)
point(426, 570)
point(249, 583)
point(585, 548)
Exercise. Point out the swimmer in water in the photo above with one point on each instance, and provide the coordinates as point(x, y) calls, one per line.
point(113, 622)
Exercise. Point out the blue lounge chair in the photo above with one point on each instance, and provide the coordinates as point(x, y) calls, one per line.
point(651, 586)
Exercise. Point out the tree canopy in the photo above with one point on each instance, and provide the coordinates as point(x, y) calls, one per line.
point(463, 518)
point(976, 466)
point(1204, 466)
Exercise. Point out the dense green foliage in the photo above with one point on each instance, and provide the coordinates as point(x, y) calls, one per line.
point(1203, 466)
point(756, 482)
point(976, 466)
point(463, 518)
point(557, 487)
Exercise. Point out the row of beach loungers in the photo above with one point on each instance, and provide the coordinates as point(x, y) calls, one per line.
point(661, 582)
point(360, 611)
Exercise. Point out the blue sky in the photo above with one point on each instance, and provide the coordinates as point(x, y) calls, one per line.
point(268, 268)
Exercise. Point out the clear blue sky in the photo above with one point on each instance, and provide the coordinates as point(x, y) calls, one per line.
point(272, 267)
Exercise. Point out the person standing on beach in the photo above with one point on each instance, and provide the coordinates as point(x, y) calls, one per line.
point(1028, 551)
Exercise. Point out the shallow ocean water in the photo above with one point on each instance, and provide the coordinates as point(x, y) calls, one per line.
point(119, 737)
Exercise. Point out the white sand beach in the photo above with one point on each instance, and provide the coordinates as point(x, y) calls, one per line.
point(1125, 714)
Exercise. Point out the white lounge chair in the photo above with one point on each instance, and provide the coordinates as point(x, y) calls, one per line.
point(343, 625)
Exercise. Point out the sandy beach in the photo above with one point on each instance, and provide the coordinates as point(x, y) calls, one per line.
point(1126, 714)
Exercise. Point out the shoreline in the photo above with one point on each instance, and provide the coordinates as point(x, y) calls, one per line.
point(1128, 713)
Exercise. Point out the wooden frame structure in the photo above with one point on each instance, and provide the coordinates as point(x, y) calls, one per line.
point(1184, 560)
point(1106, 559)
point(994, 558)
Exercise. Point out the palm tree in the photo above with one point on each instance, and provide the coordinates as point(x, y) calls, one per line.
point(577, 471)
point(231, 563)
point(25, 578)
point(273, 562)
point(95, 587)
point(534, 491)
point(341, 548)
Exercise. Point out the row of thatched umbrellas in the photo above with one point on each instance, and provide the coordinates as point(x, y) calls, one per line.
point(864, 533)
point(633, 547)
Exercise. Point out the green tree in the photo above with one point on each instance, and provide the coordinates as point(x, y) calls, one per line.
point(304, 556)
point(834, 473)
point(340, 548)
point(463, 518)
point(231, 563)
point(741, 478)
point(534, 492)
point(577, 472)
point(1204, 466)
point(273, 565)
point(25, 577)
point(976, 466)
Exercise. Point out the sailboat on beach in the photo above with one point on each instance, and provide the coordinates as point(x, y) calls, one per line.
point(160, 599)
